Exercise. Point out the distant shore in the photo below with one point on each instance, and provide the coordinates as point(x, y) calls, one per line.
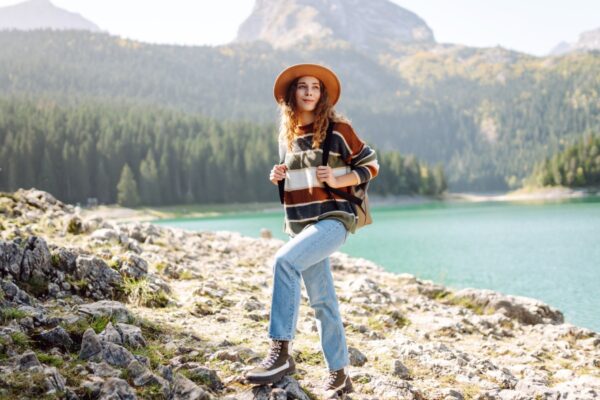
point(123, 214)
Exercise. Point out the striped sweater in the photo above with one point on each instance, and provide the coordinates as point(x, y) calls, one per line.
point(305, 198)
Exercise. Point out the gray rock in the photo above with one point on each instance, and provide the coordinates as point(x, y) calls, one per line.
point(103, 370)
point(535, 389)
point(100, 276)
point(166, 371)
point(226, 355)
point(278, 394)
point(116, 355)
point(105, 235)
point(91, 348)
point(35, 264)
point(134, 266)
point(292, 388)
point(39, 198)
point(116, 389)
point(142, 376)
point(185, 389)
point(252, 305)
point(586, 387)
point(55, 382)
point(74, 225)
point(524, 309)
point(357, 359)
point(10, 259)
point(131, 335)
point(400, 370)
point(14, 294)
point(262, 392)
point(53, 290)
point(58, 337)
point(208, 376)
point(65, 260)
point(110, 334)
point(106, 308)
point(27, 361)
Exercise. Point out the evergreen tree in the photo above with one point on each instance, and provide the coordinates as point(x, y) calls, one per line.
point(127, 189)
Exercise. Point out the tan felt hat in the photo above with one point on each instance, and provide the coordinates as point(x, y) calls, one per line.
point(327, 76)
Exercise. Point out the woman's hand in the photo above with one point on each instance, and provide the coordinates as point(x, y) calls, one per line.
point(277, 173)
point(325, 174)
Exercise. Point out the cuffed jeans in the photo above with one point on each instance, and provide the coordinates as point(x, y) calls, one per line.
point(307, 254)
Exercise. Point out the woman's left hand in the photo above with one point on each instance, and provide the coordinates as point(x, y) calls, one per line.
point(325, 174)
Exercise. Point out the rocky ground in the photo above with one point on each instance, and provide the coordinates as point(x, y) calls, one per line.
point(90, 309)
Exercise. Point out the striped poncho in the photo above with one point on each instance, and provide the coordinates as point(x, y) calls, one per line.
point(305, 198)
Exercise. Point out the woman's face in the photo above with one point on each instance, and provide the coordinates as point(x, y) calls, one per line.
point(308, 93)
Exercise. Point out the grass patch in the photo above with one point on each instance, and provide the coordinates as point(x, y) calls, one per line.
point(49, 359)
point(78, 284)
point(10, 313)
point(156, 354)
point(98, 324)
point(26, 385)
point(186, 275)
point(470, 391)
point(20, 340)
point(138, 291)
point(151, 330)
point(196, 378)
point(160, 266)
point(151, 392)
point(114, 264)
point(465, 302)
point(309, 358)
point(36, 286)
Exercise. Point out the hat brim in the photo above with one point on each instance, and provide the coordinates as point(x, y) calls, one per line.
point(327, 76)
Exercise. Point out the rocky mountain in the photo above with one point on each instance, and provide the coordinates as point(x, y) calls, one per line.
point(588, 40)
point(373, 25)
point(41, 14)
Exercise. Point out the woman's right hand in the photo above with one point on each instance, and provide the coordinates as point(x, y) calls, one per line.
point(277, 173)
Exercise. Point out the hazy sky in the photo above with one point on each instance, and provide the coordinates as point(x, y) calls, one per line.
point(532, 26)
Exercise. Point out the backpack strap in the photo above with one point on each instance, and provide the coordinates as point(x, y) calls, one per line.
point(281, 185)
point(345, 195)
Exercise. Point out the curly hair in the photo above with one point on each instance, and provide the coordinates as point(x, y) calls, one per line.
point(289, 120)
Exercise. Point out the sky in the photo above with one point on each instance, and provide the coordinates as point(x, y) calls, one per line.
point(531, 26)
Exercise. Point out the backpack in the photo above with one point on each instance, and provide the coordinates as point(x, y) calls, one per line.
point(359, 198)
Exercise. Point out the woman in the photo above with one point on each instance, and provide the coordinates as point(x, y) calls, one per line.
point(317, 226)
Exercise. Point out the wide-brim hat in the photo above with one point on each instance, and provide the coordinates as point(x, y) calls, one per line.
point(324, 74)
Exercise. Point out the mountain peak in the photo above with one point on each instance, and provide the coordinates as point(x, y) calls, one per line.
point(588, 40)
point(42, 14)
point(372, 25)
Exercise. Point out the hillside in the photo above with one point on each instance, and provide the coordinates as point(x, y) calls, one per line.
point(42, 14)
point(488, 115)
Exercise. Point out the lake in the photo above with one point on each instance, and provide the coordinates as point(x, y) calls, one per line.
point(546, 250)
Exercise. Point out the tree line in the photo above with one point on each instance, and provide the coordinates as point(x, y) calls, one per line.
point(120, 151)
point(576, 166)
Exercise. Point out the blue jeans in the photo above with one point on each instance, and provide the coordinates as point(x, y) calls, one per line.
point(307, 254)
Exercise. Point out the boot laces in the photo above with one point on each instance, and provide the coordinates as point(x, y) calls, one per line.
point(332, 377)
point(274, 352)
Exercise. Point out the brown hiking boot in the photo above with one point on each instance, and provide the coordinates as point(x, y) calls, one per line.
point(274, 367)
point(338, 383)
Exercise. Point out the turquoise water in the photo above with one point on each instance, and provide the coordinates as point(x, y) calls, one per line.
point(549, 251)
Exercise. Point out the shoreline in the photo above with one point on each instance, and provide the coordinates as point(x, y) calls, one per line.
point(119, 214)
